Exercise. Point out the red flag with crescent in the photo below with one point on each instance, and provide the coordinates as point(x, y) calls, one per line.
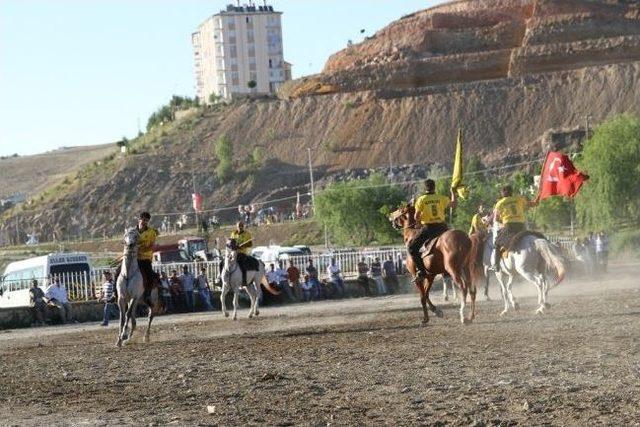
point(559, 177)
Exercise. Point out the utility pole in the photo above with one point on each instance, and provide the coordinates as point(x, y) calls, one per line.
point(313, 194)
point(17, 231)
point(588, 126)
point(390, 164)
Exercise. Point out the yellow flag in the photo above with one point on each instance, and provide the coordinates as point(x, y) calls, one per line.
point(457, 182)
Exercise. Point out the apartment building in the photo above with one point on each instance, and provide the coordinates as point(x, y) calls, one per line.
point(238, 52)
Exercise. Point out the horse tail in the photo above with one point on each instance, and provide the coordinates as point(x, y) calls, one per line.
point(551, 257)
point(267, 286)
point(475, 257)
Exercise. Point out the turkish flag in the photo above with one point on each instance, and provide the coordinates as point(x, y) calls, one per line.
point(559, 177)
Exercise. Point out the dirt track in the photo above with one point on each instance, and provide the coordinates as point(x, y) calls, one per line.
point(363, 361)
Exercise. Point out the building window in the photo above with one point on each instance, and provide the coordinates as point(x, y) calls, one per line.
point(270, 63)
point(252, 51)
point(233, 52)
point(253, 76)
point(248, 19)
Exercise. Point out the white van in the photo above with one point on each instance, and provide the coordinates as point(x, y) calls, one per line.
point(273, 254)
point(16, 280)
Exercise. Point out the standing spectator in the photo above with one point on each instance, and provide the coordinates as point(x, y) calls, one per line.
point(187, 281)
point(283, 281)
point(272, 277)
point(204, 292)
point(376, 275)
point(36, 302)
point(107, 296)
point(294, 280)
point(312, 272)
point(399, 264)
point(177, 293)
point(389, 275)
point(56, 295)
point(165, 293)
point(363, 278)
point(333, 270)
point(602, 250)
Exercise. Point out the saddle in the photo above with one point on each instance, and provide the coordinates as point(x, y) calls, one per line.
point(427, 249)
point(513, 242)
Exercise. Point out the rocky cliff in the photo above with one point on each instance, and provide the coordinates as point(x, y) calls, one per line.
point(504, 71)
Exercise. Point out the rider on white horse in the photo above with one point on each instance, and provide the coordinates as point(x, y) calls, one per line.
point(510, 212)
point(243, 242)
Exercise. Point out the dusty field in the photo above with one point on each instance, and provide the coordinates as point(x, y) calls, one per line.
point(363, 361)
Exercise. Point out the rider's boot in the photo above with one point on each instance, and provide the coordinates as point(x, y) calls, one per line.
point(496, 259)
point(421, 271)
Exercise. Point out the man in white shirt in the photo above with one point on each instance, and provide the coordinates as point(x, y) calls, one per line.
point(283, 281)
point(56, 295)
point(333, 271)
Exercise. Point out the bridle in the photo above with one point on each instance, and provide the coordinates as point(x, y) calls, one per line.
point(409, 223)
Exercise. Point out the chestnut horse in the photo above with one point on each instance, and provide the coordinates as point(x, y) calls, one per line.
point(453, 253)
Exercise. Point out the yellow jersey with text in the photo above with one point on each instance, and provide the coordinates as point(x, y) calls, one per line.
point(146, 242)
point(512, 209)
point(432, 208)
point(244, 241)
point(477, 225)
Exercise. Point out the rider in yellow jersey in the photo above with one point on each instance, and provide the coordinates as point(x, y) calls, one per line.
point(431, 212)
point(510, 212)
point(242, 243)
point(477, 222)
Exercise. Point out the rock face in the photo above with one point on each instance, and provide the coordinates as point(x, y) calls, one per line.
point(473, 40)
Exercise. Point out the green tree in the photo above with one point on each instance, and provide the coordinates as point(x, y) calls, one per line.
point(251, 84)
point(355, 212)
point(224, 152)
point(553, 213)
point(612, 160)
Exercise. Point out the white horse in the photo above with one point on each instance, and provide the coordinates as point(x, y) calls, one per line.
point(531, 258)
point(232, 280)
point(131, 289)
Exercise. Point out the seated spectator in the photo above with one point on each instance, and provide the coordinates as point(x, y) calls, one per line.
point(307, 289)
point(312, 272)
point(165, 293)
point(376, 275)
point(333, 271)
point(363, 277)
point(389, 275)
point(107, 296)
point(56, 296)
point(294, 280)
point(37, 304)
point(204, 292)
point(283, 282)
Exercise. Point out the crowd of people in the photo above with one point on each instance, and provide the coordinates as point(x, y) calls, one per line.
point(53, 299)
point(593, 251)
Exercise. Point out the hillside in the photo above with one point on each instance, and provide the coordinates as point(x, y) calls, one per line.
point(378, 101)
point(33, 174)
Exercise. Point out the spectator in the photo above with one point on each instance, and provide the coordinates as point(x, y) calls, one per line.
point(602, 250)
point(56, 295)
point(376, 275)
point(333, 270)
point(307, 289)
point(187, 281)
point(204, 292)
point(399, 264)
point(37, 304)
point(312, 272)
point(165, 293)
point(107, 296)
point(389, 275)
point(294, 280)
point(177, 294)
point(283, 282)
point(363, 278)
point(272, 276)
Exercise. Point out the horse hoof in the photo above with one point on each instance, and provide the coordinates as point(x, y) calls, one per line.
point(439, 313)
point(119, 344)
point(467, 321)
point(486, 298)
point(504, 313)
point(540, 310)
point(226, 315)
point(547, 305)
point(425, 322)
point(516, 306)
point(257, 313)
point(446, 298)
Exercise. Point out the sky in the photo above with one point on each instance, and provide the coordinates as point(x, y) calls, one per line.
point(86, 72)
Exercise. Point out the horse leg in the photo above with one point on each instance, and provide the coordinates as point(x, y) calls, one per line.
point(437, 311)
point(512, 300)
point(486, 285)
point(251, 290)
point(423, 301)
point(235, 303)
point(537, 280)
point(122, 306)
point(130, 318)
point(472, 293)
point(503, 291)
point(223, 297)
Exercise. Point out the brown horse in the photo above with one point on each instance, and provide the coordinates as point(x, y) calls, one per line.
point(453, 253)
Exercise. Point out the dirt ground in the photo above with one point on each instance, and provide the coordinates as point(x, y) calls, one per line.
point(353, 362)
